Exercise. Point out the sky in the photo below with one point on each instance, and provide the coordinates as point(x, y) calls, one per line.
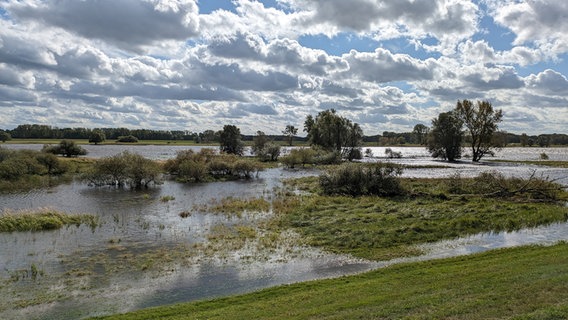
point(261, 65)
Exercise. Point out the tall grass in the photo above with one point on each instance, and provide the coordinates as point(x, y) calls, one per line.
point(42, 220)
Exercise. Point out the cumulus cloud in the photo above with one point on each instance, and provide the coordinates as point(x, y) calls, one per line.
point(156, 63)
point(540, 22)
point(129, 24)
point(383, 66)
point(549, 81)
point(449, 21)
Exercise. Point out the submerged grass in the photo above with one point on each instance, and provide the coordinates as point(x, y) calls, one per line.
point(518, 283)
point(43, 219)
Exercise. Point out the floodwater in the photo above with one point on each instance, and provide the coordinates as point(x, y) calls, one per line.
point(145, 254)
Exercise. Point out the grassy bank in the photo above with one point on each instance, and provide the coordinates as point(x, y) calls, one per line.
point(518, 283)
point(42, 220)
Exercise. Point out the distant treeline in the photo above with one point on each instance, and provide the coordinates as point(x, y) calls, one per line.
point(37, 131)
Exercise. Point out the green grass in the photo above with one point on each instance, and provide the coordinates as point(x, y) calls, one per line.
point(381, 228)
point(518, 283)
point(42, 220)
point(236, 206)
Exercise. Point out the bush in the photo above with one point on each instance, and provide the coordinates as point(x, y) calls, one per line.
point(392, 154)
point(124, 169)
point(495, 184)
point(269, 152)
point(206, 164)
point(245, 169)
point(17, 164)
point(358, 179)
point(127, 139)
point(193, 170)
point(65, 148)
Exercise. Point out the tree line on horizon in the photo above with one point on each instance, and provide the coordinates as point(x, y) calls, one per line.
point(289, 134)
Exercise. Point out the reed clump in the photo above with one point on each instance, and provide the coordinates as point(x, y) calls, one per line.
point(43, 220)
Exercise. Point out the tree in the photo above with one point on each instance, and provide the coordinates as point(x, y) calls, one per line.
point(445, 138)
point(420, 133)
point(481, 123)
point(264, 148)
point(333, 133)
point(259, 141)
point(290, 132)
point(5, 136)
point(65, 148)
point(230, 140)
point(97, 137)
point(524, 140)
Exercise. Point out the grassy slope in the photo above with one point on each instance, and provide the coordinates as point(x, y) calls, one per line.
point(528, 282)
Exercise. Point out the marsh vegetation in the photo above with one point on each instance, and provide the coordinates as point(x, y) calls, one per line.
point(193, 240)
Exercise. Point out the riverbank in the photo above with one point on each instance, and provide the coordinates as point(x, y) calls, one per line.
point(518, 283)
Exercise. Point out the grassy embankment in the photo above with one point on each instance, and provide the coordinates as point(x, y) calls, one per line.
point(518, 283)
point(42, 220)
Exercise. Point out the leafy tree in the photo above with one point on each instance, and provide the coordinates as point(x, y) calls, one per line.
point(445, 138)
point(332, 132)
point(264, 148)
point(97, 137)
point(290, 132)
point(481, 123)
point(230, 140)
point(524, 140)
point(65, 148)
point(420, 133)
point(259, 141)
point(209, 136)
point(543, 141)
point(5, 136)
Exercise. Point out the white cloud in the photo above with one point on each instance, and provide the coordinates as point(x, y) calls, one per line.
point(549, 82)
point(542, 23)
point(128, 24)
point(449, 21)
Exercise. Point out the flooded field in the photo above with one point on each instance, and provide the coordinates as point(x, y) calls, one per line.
point(144, 253)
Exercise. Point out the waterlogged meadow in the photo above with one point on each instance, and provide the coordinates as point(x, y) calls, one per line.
point(180, 241)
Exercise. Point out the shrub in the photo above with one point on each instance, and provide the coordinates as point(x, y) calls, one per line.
point(269, 152)
point(358, 179)
point(65, 148)
point(124, 169)
point(392, 154)
point(495, 184)
point(17, 164)
point(193, 170)
point(127, 139)
point(245, 169)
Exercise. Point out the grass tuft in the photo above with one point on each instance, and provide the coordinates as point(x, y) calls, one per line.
point(43, 219)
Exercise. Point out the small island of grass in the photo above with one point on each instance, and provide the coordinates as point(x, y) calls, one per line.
point(42, 220)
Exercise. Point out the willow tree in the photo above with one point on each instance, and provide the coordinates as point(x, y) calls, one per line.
point(334, 133)
point(481, 122)
point(445, 139)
